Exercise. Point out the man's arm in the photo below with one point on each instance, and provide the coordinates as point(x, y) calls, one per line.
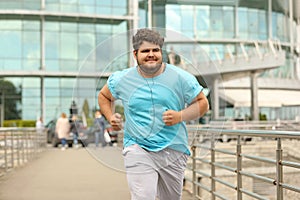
point(196, 109)
point(106, 104)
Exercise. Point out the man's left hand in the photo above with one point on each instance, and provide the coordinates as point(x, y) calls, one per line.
point(171, 117)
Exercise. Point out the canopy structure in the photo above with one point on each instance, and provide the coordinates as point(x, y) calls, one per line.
point(266, 98)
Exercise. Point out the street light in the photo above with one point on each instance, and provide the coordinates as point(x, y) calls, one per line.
point(2, 109)
point(73, 109)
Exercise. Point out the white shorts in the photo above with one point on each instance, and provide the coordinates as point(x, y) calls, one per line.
point(154, 174)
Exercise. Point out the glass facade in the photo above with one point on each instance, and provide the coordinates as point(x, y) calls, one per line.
point(20, 45)
point(217, 22)
point(57, 39)
point(56, 44)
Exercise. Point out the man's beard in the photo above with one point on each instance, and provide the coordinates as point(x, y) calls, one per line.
point(150, 70)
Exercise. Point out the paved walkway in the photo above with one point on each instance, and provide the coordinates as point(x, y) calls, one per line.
point(74, 174)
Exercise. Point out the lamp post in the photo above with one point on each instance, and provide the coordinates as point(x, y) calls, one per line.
point(2, 107)
point(73, 109)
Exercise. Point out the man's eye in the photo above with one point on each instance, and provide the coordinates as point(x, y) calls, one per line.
point(156, 50)
point(145, 51)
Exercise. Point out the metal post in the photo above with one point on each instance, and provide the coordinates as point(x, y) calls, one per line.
point(239, 168)
point(12, 149)
point(17, 147)
point(213, 168)
point(36, 143)
point(216, 103)
point(5, 152)
point(23, 150)
point(254, 96)
point(2, 108)
point(27, 146)
point(279, 171)
point(194, 171)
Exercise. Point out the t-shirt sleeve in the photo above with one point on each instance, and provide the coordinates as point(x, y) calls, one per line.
point(112, 83)
point(191, 88)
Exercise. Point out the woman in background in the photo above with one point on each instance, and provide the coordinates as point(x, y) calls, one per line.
point(62, 129)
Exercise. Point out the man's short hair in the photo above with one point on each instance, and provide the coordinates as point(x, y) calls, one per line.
point(147, 35)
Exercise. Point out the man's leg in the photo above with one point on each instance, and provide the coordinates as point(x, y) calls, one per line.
point(96, 139)
point(141, 176)
point(170, 182)
point(102, 140)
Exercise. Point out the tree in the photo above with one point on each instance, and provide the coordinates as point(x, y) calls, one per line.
point(11, 97)
point(120, 109)
point(86, 108)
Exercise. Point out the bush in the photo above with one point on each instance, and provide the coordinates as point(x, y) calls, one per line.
point(19, 123)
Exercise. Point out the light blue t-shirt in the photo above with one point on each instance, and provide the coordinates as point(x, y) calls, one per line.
point(145, 100)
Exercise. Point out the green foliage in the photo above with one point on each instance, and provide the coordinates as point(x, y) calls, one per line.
point(262, 117)
point(90, 122)
point(86, 109)
point(120, 109)
point(19, 123)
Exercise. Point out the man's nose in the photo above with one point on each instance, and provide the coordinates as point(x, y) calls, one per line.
point(151, 53)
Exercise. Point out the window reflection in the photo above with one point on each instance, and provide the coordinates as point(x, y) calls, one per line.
point(107, 7)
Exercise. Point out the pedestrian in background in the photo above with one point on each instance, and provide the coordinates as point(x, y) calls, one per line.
point(99, 127)
point(62, 129)
point(75, 127)
point(158, 98)
point(39, 125)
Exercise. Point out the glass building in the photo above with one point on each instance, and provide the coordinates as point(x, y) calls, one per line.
point(54, 52)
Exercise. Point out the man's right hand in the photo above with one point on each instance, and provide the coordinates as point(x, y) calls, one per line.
point(116, 121)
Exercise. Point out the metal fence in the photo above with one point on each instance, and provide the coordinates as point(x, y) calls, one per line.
point(20, 145)
point(265, 167)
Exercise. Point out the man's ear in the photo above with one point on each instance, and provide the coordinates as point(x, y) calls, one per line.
point(135, 53)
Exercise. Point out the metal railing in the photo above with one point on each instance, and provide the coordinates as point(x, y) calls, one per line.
point(20, 145)
point(259, 169)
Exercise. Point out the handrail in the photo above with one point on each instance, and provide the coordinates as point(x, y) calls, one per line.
point(234, 172)
point(20, 145)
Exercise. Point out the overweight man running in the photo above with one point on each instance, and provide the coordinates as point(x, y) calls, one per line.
point(158, 98)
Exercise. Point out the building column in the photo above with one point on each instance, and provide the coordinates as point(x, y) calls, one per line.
point(133, 10)
point(159, 14)
point(43, 110)
point(297, 60)
point(270, 19)
point(215, 99)
point(149, 14)
point(2, 108)
point(254, 96)
point(42, 63)
point(133, 25)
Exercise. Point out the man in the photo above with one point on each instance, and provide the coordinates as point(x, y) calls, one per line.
point(74, 128)
point(99, 125)
point(157, 99)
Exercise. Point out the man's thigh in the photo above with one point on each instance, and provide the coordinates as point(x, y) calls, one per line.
point(170, 181)
point(141, 176)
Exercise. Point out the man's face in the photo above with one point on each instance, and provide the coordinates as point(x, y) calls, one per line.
point(149, 56)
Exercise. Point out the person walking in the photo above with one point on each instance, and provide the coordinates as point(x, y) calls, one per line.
point(99, 127)
point(63, 129)
point(39, 125)
point(158, 98)
point(75, 127)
